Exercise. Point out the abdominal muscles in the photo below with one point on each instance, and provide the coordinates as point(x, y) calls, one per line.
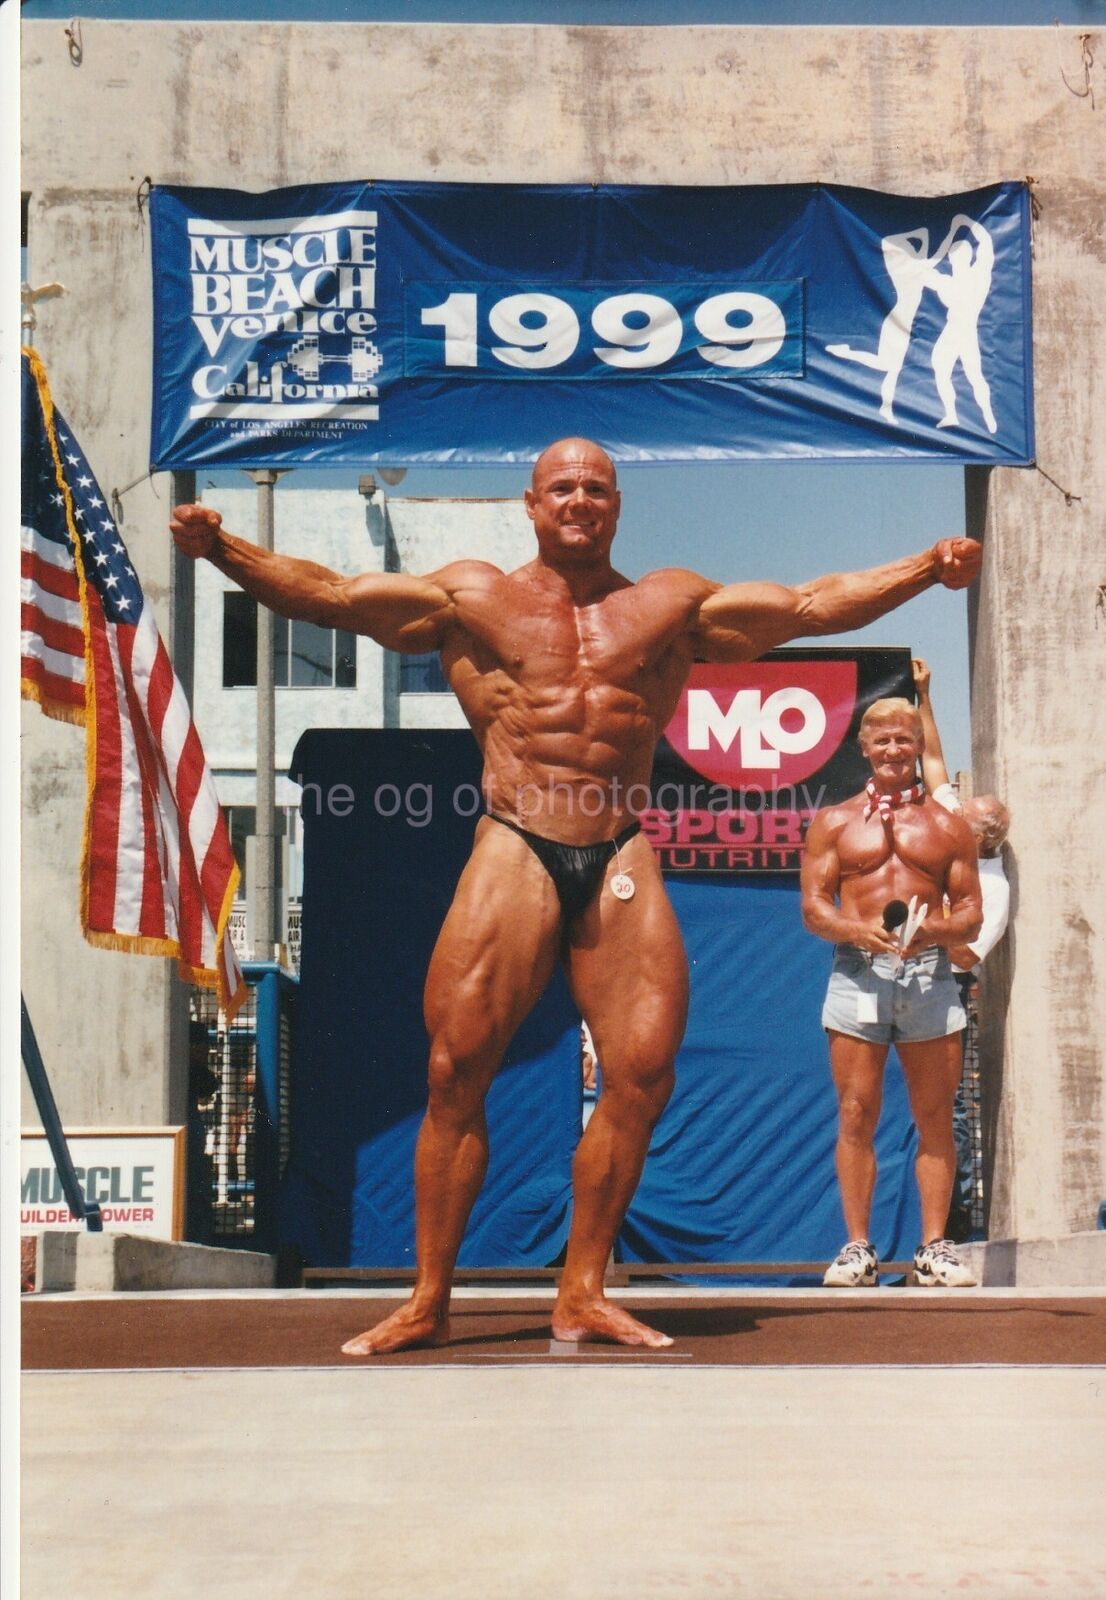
point(572, 763)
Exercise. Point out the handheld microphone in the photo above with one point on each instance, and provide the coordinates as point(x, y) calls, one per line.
point(895, 913)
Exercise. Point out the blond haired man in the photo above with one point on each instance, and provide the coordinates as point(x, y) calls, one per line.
point(890, 850)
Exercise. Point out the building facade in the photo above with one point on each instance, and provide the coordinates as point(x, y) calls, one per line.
point(324, 679)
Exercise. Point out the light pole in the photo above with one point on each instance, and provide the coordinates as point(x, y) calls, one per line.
point(262, 886)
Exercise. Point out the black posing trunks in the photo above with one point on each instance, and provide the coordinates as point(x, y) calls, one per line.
point(576, 869)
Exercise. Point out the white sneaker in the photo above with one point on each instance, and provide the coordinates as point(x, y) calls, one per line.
point(854, 1267)
point(938, 1265)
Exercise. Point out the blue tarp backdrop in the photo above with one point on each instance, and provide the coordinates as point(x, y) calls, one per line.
point(377, 883)
point(401, 322)
point(741, 1166)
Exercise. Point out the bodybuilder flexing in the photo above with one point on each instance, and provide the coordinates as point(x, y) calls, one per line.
point(568, 674)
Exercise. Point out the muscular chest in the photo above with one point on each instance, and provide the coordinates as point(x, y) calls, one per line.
point(867, 846)
point(544, 645)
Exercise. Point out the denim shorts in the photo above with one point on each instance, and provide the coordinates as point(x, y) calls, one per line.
point(868, 999)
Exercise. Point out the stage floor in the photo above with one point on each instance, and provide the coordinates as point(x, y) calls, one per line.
point(883, 1327)
point(887, 1443)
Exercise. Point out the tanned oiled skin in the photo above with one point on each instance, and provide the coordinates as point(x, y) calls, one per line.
point(567, 673)
point(566, 698)
point(926, 851)
point(852, 867)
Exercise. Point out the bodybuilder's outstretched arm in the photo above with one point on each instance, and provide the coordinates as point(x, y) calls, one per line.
point(740, 621)
point(397, 609)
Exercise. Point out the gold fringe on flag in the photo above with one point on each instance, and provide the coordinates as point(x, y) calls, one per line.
point(132, 943)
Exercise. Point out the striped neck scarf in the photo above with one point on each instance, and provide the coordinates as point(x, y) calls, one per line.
point(886, 803)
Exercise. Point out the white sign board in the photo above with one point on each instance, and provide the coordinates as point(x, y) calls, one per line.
point(135, 1175)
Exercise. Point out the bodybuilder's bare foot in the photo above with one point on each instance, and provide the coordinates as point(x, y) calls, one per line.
point(406, 1329)
point(601, 1320)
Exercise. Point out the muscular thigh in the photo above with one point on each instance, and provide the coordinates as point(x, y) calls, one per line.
point(932, 1069)
point(627, 969)
point(857, 1067)
point(497, 947)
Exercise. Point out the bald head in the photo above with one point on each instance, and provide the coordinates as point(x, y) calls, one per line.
point(572, 452)
point(573, 502)
point(989, 821)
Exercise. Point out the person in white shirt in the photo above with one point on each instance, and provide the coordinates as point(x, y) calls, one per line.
point(989, 821)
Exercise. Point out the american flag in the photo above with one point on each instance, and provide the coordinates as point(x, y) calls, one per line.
point(158, 875)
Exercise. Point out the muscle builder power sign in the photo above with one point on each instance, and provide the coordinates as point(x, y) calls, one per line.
point(754, 750)
point(135, 1175)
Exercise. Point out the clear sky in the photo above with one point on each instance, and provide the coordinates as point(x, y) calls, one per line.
point(742, 520)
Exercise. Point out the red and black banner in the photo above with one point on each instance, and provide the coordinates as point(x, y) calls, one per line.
point(756, 748)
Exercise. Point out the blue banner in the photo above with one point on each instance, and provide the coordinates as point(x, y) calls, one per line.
point(402, 322)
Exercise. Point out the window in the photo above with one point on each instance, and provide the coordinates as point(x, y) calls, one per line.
point(305, 656)
point(239, 640)
point(310, 657)
point(422, 674)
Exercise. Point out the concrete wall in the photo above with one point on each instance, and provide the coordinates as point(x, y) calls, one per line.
point(909, 110)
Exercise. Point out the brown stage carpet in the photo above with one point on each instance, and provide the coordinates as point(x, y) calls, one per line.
point(307, 1331)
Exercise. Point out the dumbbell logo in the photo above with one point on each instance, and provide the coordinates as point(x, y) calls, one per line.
point(364, 360)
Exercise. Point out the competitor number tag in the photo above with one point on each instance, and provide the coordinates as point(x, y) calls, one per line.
point(622, 886)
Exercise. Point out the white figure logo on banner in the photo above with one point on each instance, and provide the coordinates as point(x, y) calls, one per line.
point(959, 274)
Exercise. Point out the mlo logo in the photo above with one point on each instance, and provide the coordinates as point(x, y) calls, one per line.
point(763, 724)
point(759, 724)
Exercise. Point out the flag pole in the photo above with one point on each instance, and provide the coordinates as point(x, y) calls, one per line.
point(182, 652)
point(86, 1211)
point(182, 610)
